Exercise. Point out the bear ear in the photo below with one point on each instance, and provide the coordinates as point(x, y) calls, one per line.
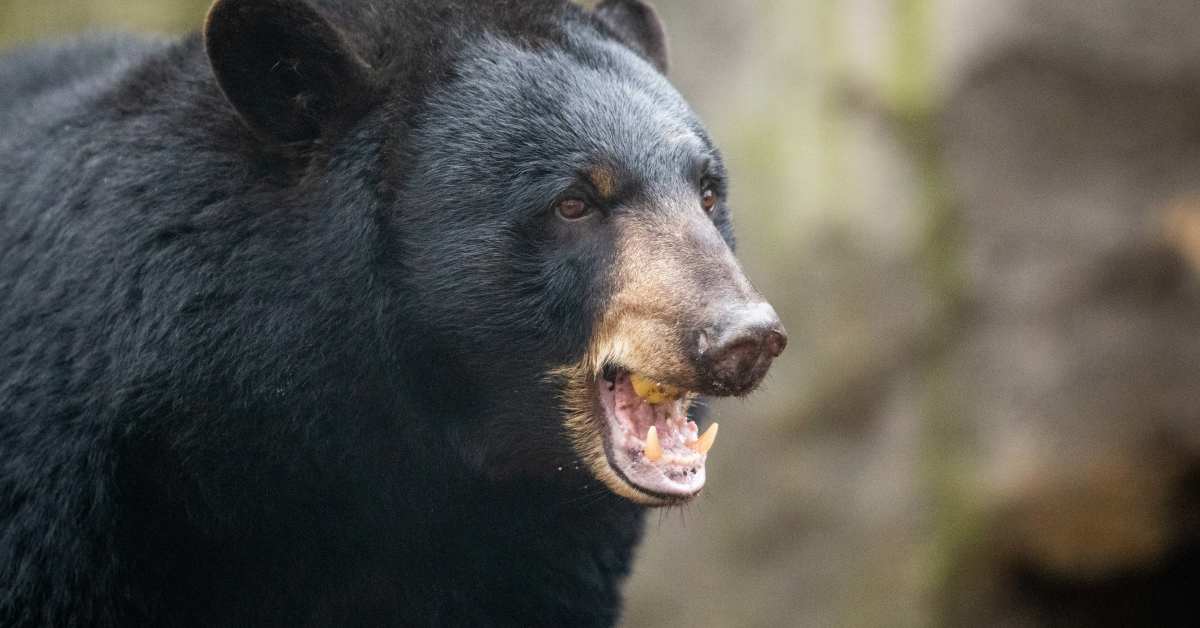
point(284, 67)
point(637, 23)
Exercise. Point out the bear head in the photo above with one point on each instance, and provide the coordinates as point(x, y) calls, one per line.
point(554, 216)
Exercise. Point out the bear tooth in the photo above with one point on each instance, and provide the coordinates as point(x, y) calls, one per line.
point(653, 447)
point(706, 440)
point(653, 392)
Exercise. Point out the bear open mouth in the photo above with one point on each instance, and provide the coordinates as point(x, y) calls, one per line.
point(648, 439)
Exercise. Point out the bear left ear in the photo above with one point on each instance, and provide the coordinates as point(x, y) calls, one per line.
point(637, 23)
point(284, 67)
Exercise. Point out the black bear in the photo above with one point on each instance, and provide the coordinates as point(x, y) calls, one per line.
point(383, 312)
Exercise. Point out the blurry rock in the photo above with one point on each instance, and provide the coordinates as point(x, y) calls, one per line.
point(1071, 148)
point(1181, 228)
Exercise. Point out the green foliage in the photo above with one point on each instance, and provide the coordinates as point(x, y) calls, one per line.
point(22, 21)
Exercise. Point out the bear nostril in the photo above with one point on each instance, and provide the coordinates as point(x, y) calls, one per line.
point(776, 342)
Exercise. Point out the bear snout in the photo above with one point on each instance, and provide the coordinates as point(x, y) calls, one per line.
point(735, 357)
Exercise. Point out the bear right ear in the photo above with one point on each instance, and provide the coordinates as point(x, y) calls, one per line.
point(285, 69)
point(637, 23)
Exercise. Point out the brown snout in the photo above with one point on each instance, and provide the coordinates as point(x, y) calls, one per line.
point(685, 314)
point(735, 356)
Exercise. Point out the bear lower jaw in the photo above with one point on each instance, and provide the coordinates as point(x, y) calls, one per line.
point(654, 455)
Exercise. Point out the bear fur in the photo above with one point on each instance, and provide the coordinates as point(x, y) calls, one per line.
point(277, 302)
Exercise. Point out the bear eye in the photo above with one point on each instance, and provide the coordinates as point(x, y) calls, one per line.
point(708, 199)
point(572, 209)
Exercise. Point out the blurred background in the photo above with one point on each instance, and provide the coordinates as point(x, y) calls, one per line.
point(980, 221)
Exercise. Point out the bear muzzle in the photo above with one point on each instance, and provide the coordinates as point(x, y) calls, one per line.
point(734, 358)
point(683, 322)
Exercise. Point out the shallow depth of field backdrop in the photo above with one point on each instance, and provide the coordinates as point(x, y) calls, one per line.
point(980, 221)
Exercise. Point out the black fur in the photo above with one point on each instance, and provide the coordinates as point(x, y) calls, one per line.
point(285, 67)
point(637, 23)
point(295, 374)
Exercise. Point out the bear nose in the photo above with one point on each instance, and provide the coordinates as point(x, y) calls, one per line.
point(738, 360)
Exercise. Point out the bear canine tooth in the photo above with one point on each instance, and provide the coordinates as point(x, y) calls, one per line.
point(706, 440)
point(653, 447)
